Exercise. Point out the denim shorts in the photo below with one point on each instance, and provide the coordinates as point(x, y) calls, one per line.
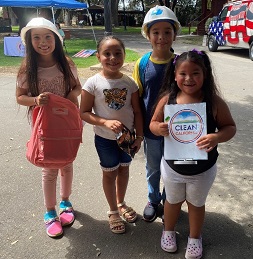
point(110, 155)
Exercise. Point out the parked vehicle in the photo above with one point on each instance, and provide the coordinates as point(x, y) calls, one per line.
point(232, 27)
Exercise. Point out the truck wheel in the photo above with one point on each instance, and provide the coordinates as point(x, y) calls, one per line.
point(212, 43)
point(251, 51)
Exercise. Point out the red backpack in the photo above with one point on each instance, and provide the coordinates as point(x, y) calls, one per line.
point(56, 134)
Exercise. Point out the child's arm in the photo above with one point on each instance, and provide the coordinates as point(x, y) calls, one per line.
point(138, 120)
point(157, 125)
point(87, 103)
point(23, 98)
point(225, 124)
point(75, 92)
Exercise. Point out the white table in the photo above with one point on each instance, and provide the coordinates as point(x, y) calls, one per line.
point(14, 47)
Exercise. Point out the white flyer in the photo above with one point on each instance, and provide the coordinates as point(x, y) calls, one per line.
point(187, 123)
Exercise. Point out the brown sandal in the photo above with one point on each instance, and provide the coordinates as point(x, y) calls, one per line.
point(128, 214)
point(117, 226)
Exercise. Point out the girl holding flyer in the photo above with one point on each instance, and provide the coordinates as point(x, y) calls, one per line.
point(190, 80)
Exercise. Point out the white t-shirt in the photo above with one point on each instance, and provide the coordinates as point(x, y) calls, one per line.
point(112, 101)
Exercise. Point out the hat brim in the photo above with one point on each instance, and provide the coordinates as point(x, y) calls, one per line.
point(145, 28)
point(27, 28)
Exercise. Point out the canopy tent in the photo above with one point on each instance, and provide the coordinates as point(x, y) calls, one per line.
point(67, 4)
point(53, 4)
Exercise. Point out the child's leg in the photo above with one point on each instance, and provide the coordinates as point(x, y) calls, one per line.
point(67, 216)
point(108, 152)
point(196, 220)
point(197, 189)
point(109, 186)
point(121, 186)
point(121, 183)
point(49, 179)
point(196, 193)
point(66, 176)
point(171, 214)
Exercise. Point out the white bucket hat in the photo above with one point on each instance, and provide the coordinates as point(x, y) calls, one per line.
point(39, 22)
point(158, 14)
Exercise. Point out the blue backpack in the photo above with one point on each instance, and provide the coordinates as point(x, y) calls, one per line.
point(142, 65)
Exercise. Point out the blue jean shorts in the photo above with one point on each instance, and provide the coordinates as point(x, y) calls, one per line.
point(110, 155)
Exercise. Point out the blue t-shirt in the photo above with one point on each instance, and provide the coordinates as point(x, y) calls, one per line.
point(153, 79)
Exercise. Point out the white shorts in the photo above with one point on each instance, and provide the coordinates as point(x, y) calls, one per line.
point(192, 188)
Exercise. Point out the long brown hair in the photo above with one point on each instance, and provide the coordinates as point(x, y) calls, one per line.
point(29, 66)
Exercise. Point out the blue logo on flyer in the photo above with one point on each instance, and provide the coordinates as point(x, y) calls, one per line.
point(186, 126)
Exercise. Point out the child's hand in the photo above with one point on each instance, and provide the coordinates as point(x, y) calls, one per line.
point(207, 142)
point(42, 99)
point(114, 125)
point(137, 144)
point(163, 129)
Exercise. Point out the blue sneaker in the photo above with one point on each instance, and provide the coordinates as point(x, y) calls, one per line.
point(53, 224)
point(66, 212)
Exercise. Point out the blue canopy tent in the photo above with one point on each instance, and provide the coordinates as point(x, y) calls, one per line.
point(67, 4)
point(53, 4)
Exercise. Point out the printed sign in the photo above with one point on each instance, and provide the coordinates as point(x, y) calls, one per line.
point(187, 123)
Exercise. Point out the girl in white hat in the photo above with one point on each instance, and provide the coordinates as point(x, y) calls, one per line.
point(44, 70)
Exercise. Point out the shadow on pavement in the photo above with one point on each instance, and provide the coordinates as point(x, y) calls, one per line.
point(94, 239)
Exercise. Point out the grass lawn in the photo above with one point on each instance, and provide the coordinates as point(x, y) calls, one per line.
point(73, 46)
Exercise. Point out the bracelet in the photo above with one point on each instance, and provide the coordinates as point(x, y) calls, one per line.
point(35, 101)
point(141, 137)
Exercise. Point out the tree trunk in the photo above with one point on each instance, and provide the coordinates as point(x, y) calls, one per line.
point(66, 17)
point(174, 3)
point(114, 10)
point(108, 16)
point(24, 15)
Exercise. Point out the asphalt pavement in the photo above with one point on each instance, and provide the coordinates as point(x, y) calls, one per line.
point(228, 227)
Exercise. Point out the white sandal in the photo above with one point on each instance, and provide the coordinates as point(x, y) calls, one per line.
point(117, 226)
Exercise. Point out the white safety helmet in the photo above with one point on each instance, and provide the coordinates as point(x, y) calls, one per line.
point(39, 22)
point(156, 14)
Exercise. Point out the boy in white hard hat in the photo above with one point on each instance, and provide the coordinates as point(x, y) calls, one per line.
point(160, 27)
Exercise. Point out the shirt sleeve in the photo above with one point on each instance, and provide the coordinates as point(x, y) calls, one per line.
point(21, 81)
point(89, 85)
point(136, 76)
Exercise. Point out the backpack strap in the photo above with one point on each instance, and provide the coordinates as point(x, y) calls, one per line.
point(142, 65)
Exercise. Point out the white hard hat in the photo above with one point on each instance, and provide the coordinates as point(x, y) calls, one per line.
point(159, 13)
point(39, 22)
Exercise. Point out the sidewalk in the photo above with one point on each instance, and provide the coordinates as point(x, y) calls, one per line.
point(228, 228)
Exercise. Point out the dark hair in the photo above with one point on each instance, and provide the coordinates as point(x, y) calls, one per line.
point(200, 58)
point(29, 66)
point(110, 37)
point(58, 24)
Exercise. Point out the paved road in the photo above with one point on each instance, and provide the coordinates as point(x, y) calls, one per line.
point(228, 230)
